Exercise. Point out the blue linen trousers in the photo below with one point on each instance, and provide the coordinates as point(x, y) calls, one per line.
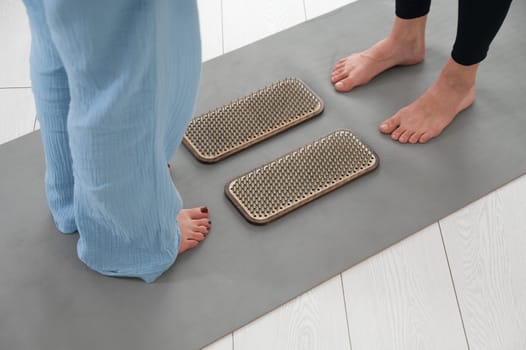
point(115, 84)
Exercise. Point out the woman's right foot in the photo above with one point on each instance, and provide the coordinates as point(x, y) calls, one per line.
point(404, 46)
point(194, 225)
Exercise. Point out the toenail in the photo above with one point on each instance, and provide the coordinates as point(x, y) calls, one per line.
point(339, 84)
point(383, 126)
point(204, 210)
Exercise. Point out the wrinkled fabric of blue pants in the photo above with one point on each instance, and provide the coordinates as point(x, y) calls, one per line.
point(115, 84)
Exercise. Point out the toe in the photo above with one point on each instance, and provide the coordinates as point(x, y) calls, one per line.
point(203, 222)
point(345, 85)
point(341, 61)
point(339, 76)
point(415, 137)
point(337, 71)
point(425, 137)
point(430, 133)
point(198, 213)
point(405, 136)
point(389, 125)
point(198, 236)
point(187, 244)
point(395, 135)
point(200, 229)
point(192, 243)
point(338, 67)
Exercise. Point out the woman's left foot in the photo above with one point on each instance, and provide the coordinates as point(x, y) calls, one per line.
point(425, 118)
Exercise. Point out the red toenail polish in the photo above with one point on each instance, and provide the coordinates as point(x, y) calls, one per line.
point(204, 210)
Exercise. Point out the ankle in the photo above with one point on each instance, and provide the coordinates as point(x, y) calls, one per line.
point(409, 29)
point(410, 35)
point(459, 77)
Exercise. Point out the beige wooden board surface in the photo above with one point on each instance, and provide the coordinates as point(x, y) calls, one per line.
point(403, 298)
point(17, 113)
point(246, 21)
point(224, 343)
point(486, 246)
point(14, 44)
point(315, 320)
point(211, 22)
point(315, 8)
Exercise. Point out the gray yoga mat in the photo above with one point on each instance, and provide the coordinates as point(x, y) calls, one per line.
point(49, 300)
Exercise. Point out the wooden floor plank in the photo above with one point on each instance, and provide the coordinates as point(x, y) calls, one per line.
point(17, 113)
point(486, 247)
point(315, 320)
point(210, 18)
point(15, 42)
point(246, 21)
point(224, 343)
point(403, 298)
point(315, 8)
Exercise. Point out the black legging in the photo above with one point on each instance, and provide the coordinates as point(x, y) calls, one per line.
point(478, 23)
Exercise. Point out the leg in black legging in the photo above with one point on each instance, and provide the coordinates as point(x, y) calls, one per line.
point(409, 9)
point(405, 45)
point(478, 23)
point(454, 90)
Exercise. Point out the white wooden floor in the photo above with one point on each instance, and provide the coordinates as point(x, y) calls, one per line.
point(458, 284)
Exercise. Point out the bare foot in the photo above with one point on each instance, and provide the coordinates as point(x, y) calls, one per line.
point(404, 46)
point(425, 118)
point(194, 225)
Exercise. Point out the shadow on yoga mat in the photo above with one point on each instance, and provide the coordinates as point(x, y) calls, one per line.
point(49, 300)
